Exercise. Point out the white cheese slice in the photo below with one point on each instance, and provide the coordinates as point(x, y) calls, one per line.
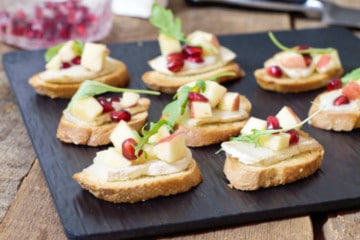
point(327, 99)
point(218, 116)
point(210, 62)
point(248, 153)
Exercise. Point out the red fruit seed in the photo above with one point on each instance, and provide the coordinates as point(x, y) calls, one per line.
point(341, 100)
point(120, 115)
point(106, 104)
point(128, 149)
point(334, 83)
point(294, 136)
point(274, 71)
point(273, 122)
point(193, 96)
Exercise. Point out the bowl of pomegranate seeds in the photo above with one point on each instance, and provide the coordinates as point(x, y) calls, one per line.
point(36, 24)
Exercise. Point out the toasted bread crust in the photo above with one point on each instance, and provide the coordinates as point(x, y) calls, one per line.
point(288, 85)
point(334, 120)
point(252, 177)
point(197, 136)
point(70, 132)
point(143, 188)
point(169, 84)
point(115, 74)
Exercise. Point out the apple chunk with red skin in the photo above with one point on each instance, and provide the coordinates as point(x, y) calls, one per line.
point(287, 117)
point(214, 92)
point(171, 148)
point(230, 102)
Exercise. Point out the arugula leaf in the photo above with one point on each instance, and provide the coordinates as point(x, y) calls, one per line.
point(165, 21)
point(354, 75)
point(91, 88)
point(310, 50)
point(51, 52)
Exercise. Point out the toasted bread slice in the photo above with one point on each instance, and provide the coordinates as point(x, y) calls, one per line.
point(170, 83)
point(288, 85)
point(328, 119)
point(143, 188)
point(207, 134)
point(114, 73)
point(248, 177)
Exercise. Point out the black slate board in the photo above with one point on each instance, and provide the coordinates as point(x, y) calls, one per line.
point(212, 204)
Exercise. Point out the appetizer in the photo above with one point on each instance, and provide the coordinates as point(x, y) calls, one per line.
point(340, 103)
point(90, 117)
point(207, 113)
point(141, 167)
point(186, 59)
point(70, 63)
point(298, 69)
point(271, 152)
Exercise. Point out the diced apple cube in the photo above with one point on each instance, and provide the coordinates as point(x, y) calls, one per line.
point(54, 63)
point(208, 41)
point(86, 109)
point(171, 148)
point(200, 109)
point(230, 102)
point(67, 51)
point(168, 44)
point(325, 62)
point(287, 117)
point(162, 133)
point(276, 141)
point(253, 123)
point(121, 132)
point(129, 99)
point(214, 92)
point(94, 56)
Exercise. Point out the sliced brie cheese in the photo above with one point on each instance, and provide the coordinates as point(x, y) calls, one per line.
point(218, 116)
point(327, 99)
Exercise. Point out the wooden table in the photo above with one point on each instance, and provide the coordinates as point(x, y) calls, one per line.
point(32, 215)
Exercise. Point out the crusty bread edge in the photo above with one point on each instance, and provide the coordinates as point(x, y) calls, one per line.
point(169, 84)
point(143, 188)
point(252, 177)
point(287, 85)
point(70, 132)
point(333, 120)
point(198, 136)
point(118, 77)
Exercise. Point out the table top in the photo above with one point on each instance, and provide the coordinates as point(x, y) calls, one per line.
point(26, 207)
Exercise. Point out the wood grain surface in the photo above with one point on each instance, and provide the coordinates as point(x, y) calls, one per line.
point(26, 207)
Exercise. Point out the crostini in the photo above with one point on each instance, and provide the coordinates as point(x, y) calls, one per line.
point(207, 113)
point(271, 152)
point(298, 69)
point(340, 103)
point(186, 59)
point(141, 167)
point(70, 63)
point(90, 117)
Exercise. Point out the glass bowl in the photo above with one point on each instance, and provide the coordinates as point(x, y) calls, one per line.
point(36, 24)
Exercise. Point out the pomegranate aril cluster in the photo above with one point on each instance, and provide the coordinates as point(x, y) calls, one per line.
point(176, 61)
point(116, 116)
point(74, 61)
point(274, 124)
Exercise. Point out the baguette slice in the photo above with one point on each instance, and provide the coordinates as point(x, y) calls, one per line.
point(288, 85)
point(143, 188)
point(170, 83)
point(197, 136)
point(248, 177)
point(114, 73)
point(334, 120)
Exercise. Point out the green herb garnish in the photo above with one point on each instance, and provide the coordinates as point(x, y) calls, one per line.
point(91, 88)
point(303, 51)
point(51, 52)
point(167, 24)
point(146, 134)
point(354, 75)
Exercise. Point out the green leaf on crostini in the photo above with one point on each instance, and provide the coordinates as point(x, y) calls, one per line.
point(304, 51)
point(51, 52)
point(167, 24)
point(146, 134)
point(91, 88)
point(354, 75)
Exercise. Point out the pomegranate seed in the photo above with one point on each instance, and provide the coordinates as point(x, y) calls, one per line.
point(195, 59)
point(128, 149)
point(120, 115)
point(65, 65)
point(334, 83)
point(342, 99)
point(307, 56)
point(76, 60)
point(175, 57)
point(274, 71)
point(4, 21)
point(106, 104)
point(294, 136)
point(192, 50)
point(273, 122)
point(175, 65)
point(193, 96)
